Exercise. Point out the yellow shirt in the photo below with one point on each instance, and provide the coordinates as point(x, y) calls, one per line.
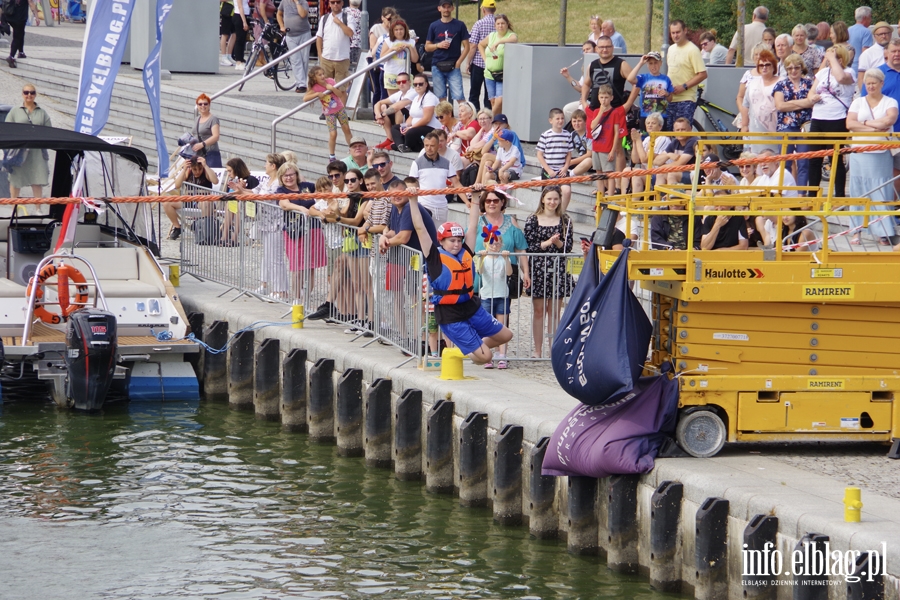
point(684, 62)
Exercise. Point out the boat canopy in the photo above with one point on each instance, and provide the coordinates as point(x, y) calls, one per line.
point(24, 135)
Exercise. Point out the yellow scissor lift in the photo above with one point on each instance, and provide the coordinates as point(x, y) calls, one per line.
point(772, 345)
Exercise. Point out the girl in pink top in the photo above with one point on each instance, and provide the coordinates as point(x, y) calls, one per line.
point(332, 99)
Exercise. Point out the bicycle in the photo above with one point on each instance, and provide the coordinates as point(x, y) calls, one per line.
point(272, 44)
point(729, 151)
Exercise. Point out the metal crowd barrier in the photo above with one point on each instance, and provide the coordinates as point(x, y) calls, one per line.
point(533, 316)
point(290, 258)
point(201, 254)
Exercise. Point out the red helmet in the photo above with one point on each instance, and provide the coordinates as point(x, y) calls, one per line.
point(450, 229)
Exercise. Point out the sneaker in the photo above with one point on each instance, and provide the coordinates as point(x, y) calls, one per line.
point(21, 55)
point(354, 328)
point(403, 148)
point(386, 144)
point(332, 158)
point(239, 66)
point(367, 328)
point(323, 311)
point(322, 117)
point(224, 61)
point(11, 62)
point(175, 234)
point(502, 364)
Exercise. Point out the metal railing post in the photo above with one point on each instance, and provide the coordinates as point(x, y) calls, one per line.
point(303, 105)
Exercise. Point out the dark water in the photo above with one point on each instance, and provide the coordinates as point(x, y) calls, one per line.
point(182, 500)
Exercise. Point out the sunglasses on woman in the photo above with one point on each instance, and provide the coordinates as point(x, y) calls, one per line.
point(351, 179)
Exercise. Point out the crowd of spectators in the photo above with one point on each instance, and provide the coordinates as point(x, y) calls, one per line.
point(802, 80)
point(816, 77)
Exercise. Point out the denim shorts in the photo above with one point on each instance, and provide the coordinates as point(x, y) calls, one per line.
point(496, 306)
point(440, 80)
point(494, 88)
point(469, 334)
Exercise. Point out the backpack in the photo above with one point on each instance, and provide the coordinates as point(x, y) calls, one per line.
point(424, 57)
point(469, 175)
point(206, 231)
point(11, 8)
point(343, 18)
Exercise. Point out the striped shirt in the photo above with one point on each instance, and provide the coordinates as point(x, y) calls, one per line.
point(480, 30)
point(379, 214)
point(555, 146)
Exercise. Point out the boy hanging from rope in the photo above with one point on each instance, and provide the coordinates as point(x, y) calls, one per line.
point(451, 274)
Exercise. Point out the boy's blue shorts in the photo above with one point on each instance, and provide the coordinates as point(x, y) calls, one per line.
point(468, 334)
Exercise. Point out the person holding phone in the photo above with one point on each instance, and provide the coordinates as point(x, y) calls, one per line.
point(196, 172)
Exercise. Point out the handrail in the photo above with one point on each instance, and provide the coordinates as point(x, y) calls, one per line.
point(263, 69)
point(303, 105)
point(868, 194)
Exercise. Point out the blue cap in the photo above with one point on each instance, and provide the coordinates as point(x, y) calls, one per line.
point(507, 134)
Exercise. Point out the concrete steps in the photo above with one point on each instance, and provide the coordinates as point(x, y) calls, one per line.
point(246, 129)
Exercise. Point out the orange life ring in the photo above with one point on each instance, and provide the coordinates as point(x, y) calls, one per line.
point(63, 274)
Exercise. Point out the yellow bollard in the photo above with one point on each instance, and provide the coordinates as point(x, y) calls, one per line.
point(452, 364)
point(852, 505)
point(174, 275)
point(297, 316)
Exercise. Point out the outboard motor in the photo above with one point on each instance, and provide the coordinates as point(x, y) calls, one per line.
point(91, 344)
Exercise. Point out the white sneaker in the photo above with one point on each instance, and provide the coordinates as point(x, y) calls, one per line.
point(239, 67)
point(224, 61)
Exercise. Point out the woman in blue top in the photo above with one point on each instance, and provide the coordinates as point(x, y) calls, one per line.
point(490, 210)
point(303, 237)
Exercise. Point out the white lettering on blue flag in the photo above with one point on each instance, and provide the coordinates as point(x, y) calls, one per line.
point(101, 55)
point(151, 85)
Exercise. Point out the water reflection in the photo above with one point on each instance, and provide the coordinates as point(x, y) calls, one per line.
point(248, 511)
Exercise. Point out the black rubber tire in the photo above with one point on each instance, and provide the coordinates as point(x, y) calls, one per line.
point(284, 76)
point(250, 65)
point(697, 125)
point(701, 433)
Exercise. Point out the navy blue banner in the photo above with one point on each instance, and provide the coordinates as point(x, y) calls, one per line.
point(101, 56)
point(151, 85)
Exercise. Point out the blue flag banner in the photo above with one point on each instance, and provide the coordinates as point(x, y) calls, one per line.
point(101, 56)
point(151, 84)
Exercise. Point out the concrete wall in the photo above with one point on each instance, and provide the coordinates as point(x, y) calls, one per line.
point(532, 86)
point(190, 37)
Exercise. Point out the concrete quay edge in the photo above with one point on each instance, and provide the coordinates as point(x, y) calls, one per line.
point(803, 501)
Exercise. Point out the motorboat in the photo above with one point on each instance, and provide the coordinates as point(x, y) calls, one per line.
point(87, 313)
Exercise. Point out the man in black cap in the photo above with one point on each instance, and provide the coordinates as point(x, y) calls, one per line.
point(448, 40)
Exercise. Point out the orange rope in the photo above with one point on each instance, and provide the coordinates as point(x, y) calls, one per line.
point(441, 192)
